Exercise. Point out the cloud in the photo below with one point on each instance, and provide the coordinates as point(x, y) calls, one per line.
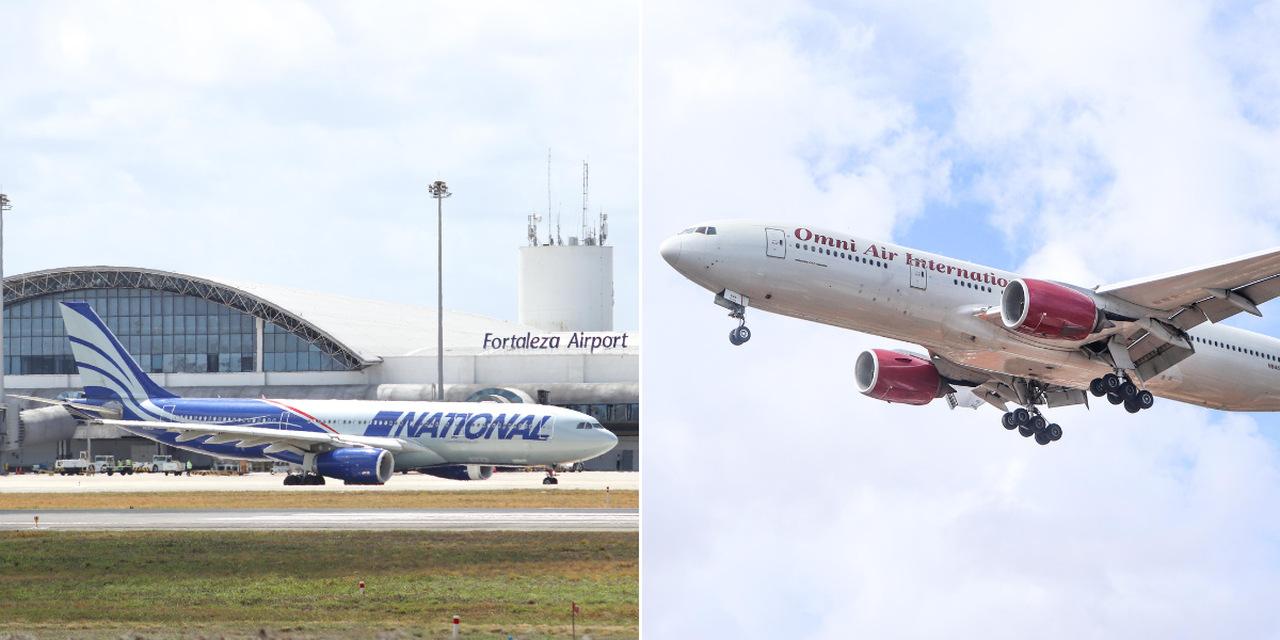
point(291, 142)
point(1108, 142)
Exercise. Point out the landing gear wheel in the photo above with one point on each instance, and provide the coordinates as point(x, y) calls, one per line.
point(1131, 405)
point(1114, 398)
point(1043, 438)
point(1145, 399)
point(1021, 416)
point(1128, 390)
point(1007, 421)
point(1098, 388)
point(1054, 432)
point(1037, 423)
point(292, 480)
point(740, 335)
point(1111, 382)
point(1025, 431)
point(550, 480)
point(314, 479)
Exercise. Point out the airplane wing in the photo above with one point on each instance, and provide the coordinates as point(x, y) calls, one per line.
point(1211, 292)
point(308, 441)
point(89, 408)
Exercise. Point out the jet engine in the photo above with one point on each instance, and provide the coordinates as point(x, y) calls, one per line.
point(461, 472)
point(1048, 310)
point(896, 377)
point(356, 465)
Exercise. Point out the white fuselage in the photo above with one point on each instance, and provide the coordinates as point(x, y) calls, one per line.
point(931, 300)
point(431, 433)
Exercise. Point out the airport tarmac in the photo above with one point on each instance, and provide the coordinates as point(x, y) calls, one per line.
point(43, 483)
point(381, 519)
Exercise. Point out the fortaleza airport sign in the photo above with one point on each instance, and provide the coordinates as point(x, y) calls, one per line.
point(556, 341)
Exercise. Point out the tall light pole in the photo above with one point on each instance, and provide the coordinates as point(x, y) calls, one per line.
point(439, 190)
point(4, 422)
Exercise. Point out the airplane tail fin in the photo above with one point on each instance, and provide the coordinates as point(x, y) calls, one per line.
point(107, 371)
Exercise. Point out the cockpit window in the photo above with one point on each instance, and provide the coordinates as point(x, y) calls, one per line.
point(689, 230)
point(711, 231)
point(700, 230)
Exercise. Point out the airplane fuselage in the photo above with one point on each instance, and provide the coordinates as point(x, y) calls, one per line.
point(916, 296)
point(431, 433)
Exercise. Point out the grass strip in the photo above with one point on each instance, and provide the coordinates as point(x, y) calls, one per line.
point(285, 499)
point(304, 584)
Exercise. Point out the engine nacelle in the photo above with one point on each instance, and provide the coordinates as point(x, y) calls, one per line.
point(356, 465)
point(896, 377)
point(461, 472)
point(1048, 310)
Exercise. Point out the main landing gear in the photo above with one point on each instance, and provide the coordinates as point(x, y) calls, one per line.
point(1120, 390)
point(295, 479)
point(1030, 423)
point(551, 476)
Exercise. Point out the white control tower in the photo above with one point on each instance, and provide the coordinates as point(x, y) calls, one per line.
point(568, 287)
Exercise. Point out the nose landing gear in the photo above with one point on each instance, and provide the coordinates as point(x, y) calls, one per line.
point(736, 303)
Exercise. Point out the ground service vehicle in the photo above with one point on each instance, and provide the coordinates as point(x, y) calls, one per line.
point(73, 466)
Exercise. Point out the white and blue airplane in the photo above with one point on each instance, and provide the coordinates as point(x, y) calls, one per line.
point(991, 336)
point(357, 441)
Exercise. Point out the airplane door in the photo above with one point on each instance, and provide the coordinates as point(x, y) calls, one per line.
point(919, 277)
point(775, 243)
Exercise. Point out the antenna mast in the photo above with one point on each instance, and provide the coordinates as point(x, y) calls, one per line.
point(584, 202)
point(550, 240)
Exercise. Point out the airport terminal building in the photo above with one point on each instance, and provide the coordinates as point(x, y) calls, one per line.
point(201, 336)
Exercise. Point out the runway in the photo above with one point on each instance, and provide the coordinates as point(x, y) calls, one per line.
point(44, 483)
point(380, 519)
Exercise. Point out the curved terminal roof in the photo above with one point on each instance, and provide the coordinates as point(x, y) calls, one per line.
point(355, 331)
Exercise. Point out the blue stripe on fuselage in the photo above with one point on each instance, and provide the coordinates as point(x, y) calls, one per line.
point(240, 412)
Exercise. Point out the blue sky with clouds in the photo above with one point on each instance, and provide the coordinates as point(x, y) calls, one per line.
point(1089, 142)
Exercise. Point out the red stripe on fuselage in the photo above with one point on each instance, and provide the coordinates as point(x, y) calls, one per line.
point(301, 413)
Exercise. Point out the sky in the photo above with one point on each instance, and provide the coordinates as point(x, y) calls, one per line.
point(290, 143)
point(1088, 142)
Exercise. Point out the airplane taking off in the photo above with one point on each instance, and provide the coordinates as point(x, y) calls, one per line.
point(358, 441)
point(993, 336)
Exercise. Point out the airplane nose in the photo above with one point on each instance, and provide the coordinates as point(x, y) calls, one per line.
point(670, 250)
point(607, 442)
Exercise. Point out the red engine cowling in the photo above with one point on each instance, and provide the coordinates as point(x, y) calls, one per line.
point(1048, 310)
point(896, 377)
